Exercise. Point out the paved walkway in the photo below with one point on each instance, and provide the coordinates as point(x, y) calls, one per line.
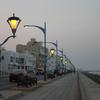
point(65, 88)
point(90, 88)
point(11, 92)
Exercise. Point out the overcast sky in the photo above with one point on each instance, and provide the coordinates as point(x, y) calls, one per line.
point(74, 23)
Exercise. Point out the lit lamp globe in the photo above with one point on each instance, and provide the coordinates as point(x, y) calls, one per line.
point(52, 52)
point(13, 23)
point(61, 58)
point(65, 61)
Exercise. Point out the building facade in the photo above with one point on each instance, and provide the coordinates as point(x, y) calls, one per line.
point(51, 64)
point(11, 61)
point(35, 48)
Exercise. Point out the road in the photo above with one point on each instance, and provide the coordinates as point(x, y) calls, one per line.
point(65, 88)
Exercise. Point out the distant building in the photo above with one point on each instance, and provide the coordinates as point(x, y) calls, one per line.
point(51, 64)
point(13, 61)
point(35, 48)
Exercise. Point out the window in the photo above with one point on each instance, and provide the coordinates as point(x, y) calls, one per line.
point(22, 67)
point(26, 67)
point(12, 59)
point(20, 60)
point(2, 58)
point(18, 67)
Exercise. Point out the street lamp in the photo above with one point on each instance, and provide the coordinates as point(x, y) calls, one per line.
point(56, 45)
point(52, 52)
point(13, 22)
point(61, 58)
point(65, 61)
point(43, 29)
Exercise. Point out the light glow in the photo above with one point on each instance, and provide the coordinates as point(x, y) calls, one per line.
point(13, 24)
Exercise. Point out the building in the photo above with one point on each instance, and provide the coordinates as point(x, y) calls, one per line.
point(51, 64)
point(35, 48)
point(11, 61)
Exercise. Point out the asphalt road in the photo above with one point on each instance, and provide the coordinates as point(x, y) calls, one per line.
point(62, 89)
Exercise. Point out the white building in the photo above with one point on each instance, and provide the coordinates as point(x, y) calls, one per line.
point(51, 64)
point(11, 61)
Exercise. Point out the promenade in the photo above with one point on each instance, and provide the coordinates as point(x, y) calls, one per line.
point(90, 89)
point(75, 86)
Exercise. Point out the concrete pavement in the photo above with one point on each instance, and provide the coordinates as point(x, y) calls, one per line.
point(76, 92)
point(69, 87)
point(12, 92)
point(90, 89)
point(65, 88)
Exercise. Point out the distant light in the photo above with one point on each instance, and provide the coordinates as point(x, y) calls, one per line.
point(52, 52)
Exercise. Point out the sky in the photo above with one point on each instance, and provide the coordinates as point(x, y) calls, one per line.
point(73, 23)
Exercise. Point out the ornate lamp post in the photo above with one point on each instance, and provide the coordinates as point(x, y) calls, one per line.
point(43, 29)
point(14, 23)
